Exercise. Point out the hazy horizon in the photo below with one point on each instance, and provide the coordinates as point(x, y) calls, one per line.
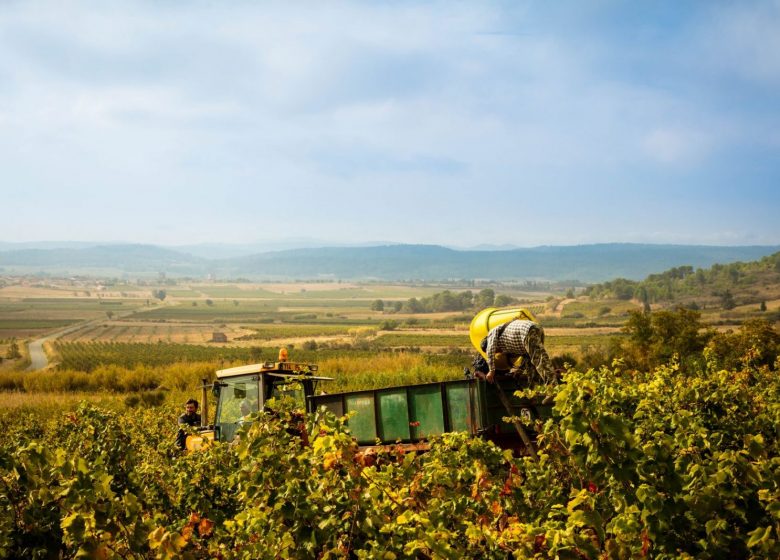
point(457, 124)
point(322, 244)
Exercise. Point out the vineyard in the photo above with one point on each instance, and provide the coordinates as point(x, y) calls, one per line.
point(663, 441)
point(86, 356)
point(662, 464)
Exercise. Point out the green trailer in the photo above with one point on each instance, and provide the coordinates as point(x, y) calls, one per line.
point(412, 414)
point(408, 415)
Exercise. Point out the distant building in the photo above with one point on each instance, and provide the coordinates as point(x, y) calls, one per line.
point(218, 337)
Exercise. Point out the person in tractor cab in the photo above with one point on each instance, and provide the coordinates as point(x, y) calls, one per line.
point(189, 418)
point(245, 409)
point(519, 338)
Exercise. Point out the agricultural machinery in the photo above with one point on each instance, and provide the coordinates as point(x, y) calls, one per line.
point(407, 415)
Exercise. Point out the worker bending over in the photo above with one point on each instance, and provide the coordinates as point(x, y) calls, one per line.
point(519, 338)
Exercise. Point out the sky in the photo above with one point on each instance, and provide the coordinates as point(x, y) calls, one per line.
point(452, 123)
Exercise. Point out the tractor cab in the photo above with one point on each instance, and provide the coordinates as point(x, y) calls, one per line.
point(243, 391)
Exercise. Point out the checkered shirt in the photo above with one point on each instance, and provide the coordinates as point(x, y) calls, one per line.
point(512, 340)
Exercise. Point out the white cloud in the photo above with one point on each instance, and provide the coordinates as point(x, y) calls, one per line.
point(670, 145)
point(743, 40)
point(417, 105)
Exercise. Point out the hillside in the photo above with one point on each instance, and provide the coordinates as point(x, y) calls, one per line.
point(582, 263)
point(727, 286)
point(103, 259)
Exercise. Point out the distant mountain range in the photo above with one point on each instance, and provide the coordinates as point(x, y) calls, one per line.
point(584, 263)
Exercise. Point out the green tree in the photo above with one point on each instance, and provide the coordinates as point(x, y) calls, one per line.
point(727, 300)
point(677, 332)
point(639, 329)
point(622, 288)
point(413, 305)
point(377, 305)
point(159, 294)
point(485, 298)
point(13, 352)
point(756, 343)
point(502, 300)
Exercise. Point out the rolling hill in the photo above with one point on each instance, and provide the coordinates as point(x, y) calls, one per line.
point(583, 263)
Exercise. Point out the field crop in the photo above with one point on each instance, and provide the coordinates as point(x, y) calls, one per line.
point(677, 458)
point(272, 332)
point(570, 343)
point(290, 292)
point(595, 309)
point(218, 312)
point(196, 333)
point(230, 291)
point(185, 293)
point(86, 356)
point(398, 339)
point(19, 324)
point(661, 464)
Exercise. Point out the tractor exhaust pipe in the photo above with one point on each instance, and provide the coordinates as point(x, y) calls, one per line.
point(204, 399)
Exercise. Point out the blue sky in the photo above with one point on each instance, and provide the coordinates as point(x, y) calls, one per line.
point(455, 123)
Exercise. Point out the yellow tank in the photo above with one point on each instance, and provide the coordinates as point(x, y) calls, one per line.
point(200, 441)
point(490, 318)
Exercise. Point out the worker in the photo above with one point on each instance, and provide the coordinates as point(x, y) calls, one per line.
point(519, 338)
point(245, 409)
point(191, 417)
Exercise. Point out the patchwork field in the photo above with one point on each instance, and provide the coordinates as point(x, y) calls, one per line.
point(311, 316)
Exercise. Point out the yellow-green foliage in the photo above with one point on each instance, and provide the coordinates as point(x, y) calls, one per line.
point(111, 378)
point(351, 372)
point(383, 370)
point(656, 464)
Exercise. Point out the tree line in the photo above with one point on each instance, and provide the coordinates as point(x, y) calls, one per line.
point(445, 301)
point(682, 281)
point(678, 335)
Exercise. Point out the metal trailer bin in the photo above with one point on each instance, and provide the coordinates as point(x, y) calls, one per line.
point(406, 414)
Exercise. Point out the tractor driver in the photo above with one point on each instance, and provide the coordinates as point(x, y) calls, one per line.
point(189, 418)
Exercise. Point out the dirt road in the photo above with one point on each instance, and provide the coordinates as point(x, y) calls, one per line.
point(38, 357)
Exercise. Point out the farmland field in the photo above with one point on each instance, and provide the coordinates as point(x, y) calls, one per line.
point(313, 315)
point(617, 470)
point(619, 463)
point(336, 324)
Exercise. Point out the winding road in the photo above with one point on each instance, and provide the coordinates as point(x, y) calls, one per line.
point(38, 357)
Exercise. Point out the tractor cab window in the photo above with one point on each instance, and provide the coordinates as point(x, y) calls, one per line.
point(239, 398)
point(291, 389)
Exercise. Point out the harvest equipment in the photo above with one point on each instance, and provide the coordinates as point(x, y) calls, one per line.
point(406, 415)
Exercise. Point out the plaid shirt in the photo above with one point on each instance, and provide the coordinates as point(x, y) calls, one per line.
point(511, 340)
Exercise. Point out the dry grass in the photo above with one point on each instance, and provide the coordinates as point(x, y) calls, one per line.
point(19, 291)
point(293, 287)
point(14, 400)
point(122, 331)
point(584, 332)
point(382, 370)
